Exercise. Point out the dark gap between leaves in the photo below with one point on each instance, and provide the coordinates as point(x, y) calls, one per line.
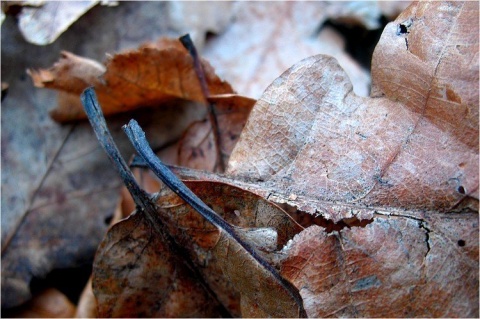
point(359, 41)
point(305, 220)
point(70, 281)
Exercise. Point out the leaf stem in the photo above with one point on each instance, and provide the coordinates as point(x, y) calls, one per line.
point(140, 143)
point(197, 65)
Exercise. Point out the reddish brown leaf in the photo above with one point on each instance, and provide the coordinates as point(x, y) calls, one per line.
point(197, 147)
point(440, 66)
point(310, 136)
point(230, 272)
point(404, 159)
point(149, 76)
point(138, 275)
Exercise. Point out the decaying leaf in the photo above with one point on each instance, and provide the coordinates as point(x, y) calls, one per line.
point(393, 267)
point(341, 154)
point(226, 268)
point(44, 24)
point(152, 75)
point(137, 275)
point(266, 38)
point(438, 58)
point(79, 187)
point(314, 144)
point(62, 190)
point(404, 161)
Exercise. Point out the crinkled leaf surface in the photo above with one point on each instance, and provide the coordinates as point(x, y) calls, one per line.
point(403, 158)
point(236, 279)
point(393, 267)
point(309, 135)
point(138, 275)
point(266, 38)
point(58, 188)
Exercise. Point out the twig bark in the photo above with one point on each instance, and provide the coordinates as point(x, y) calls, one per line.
point(197, 64)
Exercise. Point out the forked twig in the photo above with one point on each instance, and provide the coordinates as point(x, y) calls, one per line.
point(143, 200)
point(140, 143)
point(97, 120)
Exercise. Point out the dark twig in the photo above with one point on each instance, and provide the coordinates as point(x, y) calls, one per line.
point(95, 116)
point(197, 64)
point(142, 200)
point(137, 137)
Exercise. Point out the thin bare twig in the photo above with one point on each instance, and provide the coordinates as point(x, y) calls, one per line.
point(197, 64)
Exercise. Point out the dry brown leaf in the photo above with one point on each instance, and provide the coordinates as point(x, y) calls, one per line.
point(74, 202)
point(197, 147)
point(309, 135)
point(228, 270)
point(406, 159)
point(393, 267)
point(440, 65)
point(137, 274)
point(153, 74)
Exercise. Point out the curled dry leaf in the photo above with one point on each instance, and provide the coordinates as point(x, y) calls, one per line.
point(44, 24)
point(233, 276)
point(153, 74)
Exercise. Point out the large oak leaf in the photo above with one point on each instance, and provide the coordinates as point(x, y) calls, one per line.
point(340, 154)
point(406, 158)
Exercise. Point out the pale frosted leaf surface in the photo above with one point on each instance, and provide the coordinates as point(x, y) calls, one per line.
point(200, 17)
point(266, 38)
point(44, 24)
